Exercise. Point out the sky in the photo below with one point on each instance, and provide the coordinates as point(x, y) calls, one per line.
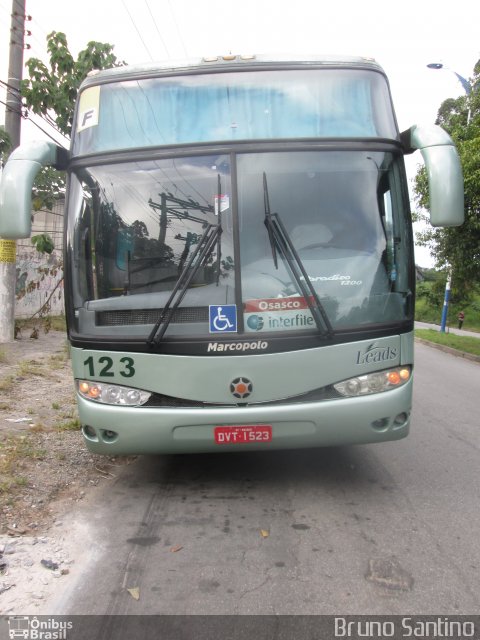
point(403, 37)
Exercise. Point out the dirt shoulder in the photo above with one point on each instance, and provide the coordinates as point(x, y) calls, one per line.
point(45, 469)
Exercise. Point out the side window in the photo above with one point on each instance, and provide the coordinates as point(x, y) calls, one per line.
point(392, 204)
point(84, 251)
point(390, 236)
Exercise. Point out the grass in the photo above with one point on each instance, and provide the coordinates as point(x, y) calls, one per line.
point(47, 323)
point(461, 343)
point(70, 425)
point(57, 361)
point(429, 305)
point(13, 450)
point(425, 312)
point(30, 368)
point(7, 383)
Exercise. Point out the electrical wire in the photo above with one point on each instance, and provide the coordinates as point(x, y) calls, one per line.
point(11, 87)
point(27, 117)
point(178, 30)
point(47, 119)
point(137, 30)
point(158, 31)
point(44, 117)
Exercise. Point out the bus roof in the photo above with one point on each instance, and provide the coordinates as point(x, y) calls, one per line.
point(228, 62)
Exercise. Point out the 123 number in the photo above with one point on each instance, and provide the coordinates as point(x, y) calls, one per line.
point(105, 367)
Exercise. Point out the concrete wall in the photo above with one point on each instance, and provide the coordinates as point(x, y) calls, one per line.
point(40, 274)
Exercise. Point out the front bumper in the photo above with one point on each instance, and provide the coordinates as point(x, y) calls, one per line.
point(113, 430)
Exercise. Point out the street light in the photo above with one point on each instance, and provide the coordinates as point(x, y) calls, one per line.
point(467, 87)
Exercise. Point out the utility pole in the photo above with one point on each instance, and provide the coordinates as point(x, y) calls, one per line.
point(13, 119)
point(446, 300)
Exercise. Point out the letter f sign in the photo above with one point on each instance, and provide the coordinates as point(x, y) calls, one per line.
point(88, 108)
point(88, 118)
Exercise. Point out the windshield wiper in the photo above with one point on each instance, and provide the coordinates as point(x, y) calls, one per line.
point(210, 238)
point(202, 251)
point(219, 224)
point(268, 220)
point(279, 239)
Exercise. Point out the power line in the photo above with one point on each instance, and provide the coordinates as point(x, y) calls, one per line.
point(178, 30)
point(137, 30)
point(158, 30)
point(10, 86)
point(10, 108)
point(27, 117)
point(44, 117)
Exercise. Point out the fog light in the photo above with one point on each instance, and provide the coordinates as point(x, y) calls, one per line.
point(109, 436)
point(89, 432)
point(380, 424)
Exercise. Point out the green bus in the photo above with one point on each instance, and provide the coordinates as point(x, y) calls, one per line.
point(239, 269)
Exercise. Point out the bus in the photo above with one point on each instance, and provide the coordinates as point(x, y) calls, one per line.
point(238, 253)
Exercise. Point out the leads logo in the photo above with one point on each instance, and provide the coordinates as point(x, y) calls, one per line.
point(374, 354)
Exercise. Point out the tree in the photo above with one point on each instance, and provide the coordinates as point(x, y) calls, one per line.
point(51, 93)
point(458, 248)
point(5, 144)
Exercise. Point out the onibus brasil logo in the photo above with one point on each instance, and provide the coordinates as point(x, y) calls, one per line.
point(37, 629)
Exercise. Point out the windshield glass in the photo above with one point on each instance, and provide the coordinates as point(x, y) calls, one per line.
point(134, 226)
point(344, 214)
point(244, 105)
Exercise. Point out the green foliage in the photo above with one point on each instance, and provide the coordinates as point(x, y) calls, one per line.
point(49, 187)
point(5, 143)
point(43, 243)
point(429, 304)
point(432, 292)
point(51, 92)
point(458, 247)
point(460, 343)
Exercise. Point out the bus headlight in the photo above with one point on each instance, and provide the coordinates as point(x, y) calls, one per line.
point(112, 393)
point(374, 382)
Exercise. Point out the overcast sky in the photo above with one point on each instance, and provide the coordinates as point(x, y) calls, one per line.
point(403, 37)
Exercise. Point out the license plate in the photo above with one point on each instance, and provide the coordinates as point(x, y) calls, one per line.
point(243, 434)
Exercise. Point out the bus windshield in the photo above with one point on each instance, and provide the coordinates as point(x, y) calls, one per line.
point(251, 105)
point(133, 227)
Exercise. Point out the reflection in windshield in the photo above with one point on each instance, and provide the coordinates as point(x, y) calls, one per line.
point(345, 217)
point(202, 252)
point(143, 223)
point(279, 237)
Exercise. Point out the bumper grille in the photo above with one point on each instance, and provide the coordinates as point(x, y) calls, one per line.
point(160, 400)
point(149, 316)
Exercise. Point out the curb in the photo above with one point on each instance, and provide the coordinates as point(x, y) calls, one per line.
point(453, 352)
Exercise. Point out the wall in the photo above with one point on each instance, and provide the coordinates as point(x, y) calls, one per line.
point(39, 275)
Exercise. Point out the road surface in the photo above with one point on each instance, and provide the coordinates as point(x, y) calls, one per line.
point(378, 529)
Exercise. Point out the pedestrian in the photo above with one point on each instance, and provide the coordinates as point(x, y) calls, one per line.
point(461, 318)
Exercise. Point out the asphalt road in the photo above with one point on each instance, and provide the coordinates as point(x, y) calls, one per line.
point(379, 529)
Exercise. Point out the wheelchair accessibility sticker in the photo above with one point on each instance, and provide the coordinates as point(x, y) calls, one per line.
point(223, 319)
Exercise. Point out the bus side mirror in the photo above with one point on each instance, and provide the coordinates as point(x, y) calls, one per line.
point(445, 179)
point(16, 185)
